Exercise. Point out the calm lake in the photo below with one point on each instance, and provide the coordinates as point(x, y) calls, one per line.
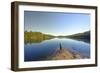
point(40, 51)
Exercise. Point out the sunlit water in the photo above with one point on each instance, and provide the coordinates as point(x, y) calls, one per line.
point(40, 51)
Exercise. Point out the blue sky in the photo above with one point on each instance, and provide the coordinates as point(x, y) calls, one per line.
point(56, 23)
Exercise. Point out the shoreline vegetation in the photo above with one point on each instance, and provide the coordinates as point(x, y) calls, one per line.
point(85, 36)
point(37, 37)
point(61, 53)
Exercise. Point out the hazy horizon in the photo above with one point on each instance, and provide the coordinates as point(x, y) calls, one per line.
point(57, 35)
point(56, 23)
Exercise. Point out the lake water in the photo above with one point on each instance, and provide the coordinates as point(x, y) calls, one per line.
point(40, 51)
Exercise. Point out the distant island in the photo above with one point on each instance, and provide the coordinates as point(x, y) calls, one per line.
point(36, 37)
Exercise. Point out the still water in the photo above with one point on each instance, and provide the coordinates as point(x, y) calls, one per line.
point(40, 51)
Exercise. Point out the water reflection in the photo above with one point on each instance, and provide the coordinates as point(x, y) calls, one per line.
point(40, 51)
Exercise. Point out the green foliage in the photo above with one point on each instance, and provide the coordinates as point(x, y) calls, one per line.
point(35, 37)
point(85, 36)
